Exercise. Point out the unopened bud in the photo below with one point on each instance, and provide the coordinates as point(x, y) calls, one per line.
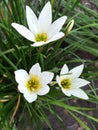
point(69, 27)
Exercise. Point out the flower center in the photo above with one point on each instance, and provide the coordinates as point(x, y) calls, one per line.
point(66, 83)
point(41, 37)
point(33, 85)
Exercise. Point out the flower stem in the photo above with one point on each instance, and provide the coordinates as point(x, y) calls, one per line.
point(15, 111)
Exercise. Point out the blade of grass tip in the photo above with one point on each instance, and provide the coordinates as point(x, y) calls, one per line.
point(45, 118)
point(32, 111)
point(14, 10)
point(88, 49)
point(88, 116)
point(96, 3)
point(6, 31)
point(51, 109)
point(18, 6)
point(19, 10)
point(92, 88)
point(7, 4)
point(53, 3)
point(7, 73)
point(3, 19)
point(43, 3)
point(75, 3)
point(8, 108)
point(65, 106)
point(22, 6)
point(28, 108)
point(57, 9)
point(55, 54)
point(79, 121)
point(54, 113)
point(90, 11)
point(93, 125)
point(86, 26)
point(9, 61)
point(69, 7)
point(71, 108)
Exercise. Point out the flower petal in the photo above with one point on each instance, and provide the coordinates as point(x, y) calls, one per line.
point(31, 20)
point(44, 90)
point(56, 37)
point(35, 69)
point(30, 97)
point(58, 80)
point(57, 25)
point(76, 72)
point(77, 83)
point(64, 70)
point(45, 18)
point(79, 93)
point(46, 77)
point(21, 75)
point(22, 88)
point(37, 44)
point(24, 31)
point(66, 92)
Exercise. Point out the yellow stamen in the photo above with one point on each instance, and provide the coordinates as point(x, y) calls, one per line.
point(66, 83)
point(41, 37)
point(33, 85)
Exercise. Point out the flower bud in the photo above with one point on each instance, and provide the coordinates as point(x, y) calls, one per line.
point(69, 27)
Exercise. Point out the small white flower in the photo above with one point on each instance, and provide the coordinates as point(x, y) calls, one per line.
point(41, 30)
point(34, 83)
point(70, 82)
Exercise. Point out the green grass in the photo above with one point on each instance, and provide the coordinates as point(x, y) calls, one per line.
point(16, 53)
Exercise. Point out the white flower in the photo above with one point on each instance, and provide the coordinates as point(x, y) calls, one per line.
point(34, 83)
point(70, 82)
point(41, 30)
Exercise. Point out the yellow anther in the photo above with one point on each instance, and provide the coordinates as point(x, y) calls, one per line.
point(33, 85)
point(65, 83)
point(41, 37)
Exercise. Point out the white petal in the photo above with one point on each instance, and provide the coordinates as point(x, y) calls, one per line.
point(76, 72)
point(79, 93)
point(56, 37)
point(58, 80)
point(35, 69)
point(44, 90)
point(77, 83)
point(30, 97)
point(57, 25)
point(66, 92)
point(64, 70)
point(21, 75)
point(37, 44)
point(22, 88)
point(24, 31)
point(31, 20)
point(45, 18)
point(46, 77)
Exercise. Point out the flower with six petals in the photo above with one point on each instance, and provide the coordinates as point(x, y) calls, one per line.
point(34, 83)
point(70, 82)
point(41, 30)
